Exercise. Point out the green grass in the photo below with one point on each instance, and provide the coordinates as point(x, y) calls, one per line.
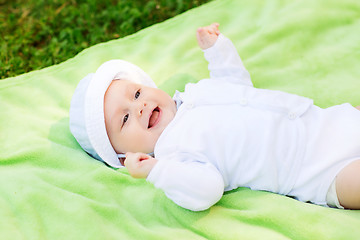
point(39, 33)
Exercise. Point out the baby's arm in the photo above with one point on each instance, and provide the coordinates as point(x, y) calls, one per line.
point(224, 60)
point(192, 185)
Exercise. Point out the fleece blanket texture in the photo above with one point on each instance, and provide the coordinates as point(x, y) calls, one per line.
point(51, 189)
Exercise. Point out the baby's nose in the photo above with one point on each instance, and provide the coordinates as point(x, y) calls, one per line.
point(142, 106)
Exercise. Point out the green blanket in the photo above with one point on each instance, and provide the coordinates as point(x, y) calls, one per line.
point(51, 189)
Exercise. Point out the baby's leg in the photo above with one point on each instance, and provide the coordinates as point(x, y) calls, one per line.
point(358, 107)
point(348, 186)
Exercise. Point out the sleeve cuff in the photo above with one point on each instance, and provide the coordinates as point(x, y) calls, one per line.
point(210, 52)
point(155, 172)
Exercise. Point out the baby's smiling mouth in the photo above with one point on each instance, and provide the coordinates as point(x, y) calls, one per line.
point(154, 117)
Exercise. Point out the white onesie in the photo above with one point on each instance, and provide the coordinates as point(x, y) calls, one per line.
point(228, 134)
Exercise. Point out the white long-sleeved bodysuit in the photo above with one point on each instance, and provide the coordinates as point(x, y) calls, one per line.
point(228, 134)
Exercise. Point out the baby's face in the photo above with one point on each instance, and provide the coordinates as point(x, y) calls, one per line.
point(136, 115)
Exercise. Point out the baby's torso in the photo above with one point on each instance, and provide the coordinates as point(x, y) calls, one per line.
point(254, 137)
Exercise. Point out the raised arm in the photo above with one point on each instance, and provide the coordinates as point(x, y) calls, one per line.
point(224, 60)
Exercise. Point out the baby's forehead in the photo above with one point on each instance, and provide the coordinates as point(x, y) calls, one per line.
point(120, 90)
point(123, 85)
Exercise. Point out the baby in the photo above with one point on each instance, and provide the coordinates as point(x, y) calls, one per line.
point(219, 134)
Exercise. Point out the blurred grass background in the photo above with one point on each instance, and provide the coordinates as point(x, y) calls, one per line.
point(38, 33)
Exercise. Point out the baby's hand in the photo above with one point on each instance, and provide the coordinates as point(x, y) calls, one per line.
point(139, 165)
point(208, 35)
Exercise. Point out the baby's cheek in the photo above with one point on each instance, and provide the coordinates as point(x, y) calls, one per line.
point(150, 142)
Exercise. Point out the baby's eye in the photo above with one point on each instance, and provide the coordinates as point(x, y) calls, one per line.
point(137, 94)
point(125, 118)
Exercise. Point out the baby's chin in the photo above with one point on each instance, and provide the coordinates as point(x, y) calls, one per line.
point(148, 149)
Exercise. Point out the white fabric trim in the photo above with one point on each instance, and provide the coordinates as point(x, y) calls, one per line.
point(332, 199)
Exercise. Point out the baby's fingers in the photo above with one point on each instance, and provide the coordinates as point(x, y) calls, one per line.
point(215, 27)
point(131, 160)
point(212, 29)
point(139, 164)
point(208, 35)
point(136, 157)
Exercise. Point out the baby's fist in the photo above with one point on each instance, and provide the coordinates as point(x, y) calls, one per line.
point(139, 165)
point(207, 36)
